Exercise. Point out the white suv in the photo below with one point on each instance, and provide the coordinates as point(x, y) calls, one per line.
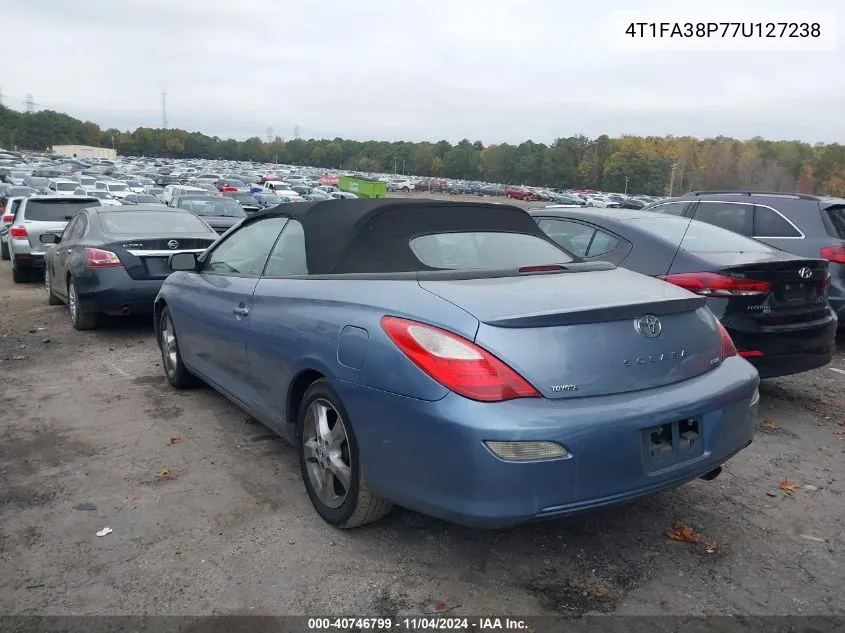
point(62, 187)
point(117, 189)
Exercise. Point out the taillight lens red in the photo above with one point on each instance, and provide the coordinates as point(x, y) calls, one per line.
point(18, 231)
point(716, 285)
point(456, 363)
point(834, 254)
point(8, 218)
point(98, 258)
point(728, 347)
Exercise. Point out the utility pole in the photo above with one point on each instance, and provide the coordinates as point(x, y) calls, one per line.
point(30, 104)
point(395, 165)
point(163, 110)
point(627, 178)
point(672, 178)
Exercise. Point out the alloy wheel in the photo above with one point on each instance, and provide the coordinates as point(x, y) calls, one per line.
point(327, 455)
point(170, 350)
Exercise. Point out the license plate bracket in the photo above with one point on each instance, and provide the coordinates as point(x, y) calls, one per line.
point(672, 443)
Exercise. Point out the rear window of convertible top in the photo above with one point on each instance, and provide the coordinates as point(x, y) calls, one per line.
point(485, 250)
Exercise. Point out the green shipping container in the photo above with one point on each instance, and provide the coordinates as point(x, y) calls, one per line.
point(363, 188)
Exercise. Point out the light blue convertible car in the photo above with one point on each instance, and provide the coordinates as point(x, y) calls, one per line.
point(450, 358)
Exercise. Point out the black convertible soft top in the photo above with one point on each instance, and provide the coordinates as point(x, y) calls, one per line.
point(372, 236)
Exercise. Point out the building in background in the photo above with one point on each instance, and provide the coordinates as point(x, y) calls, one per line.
point(84, 151)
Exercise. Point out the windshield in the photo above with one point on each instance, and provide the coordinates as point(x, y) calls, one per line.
point(213, 206)
point(244, 197)
point(18, 174)
point(66, 186)
point(149, 222)
point(698, 237)
point(36, 181)
point(56, 210)
point(116, 186)
point(133, 183)
point(267, 199)
point(87, 180)
point(235, 183)
point(102, 195)
point(145, 199)
point(485, 250)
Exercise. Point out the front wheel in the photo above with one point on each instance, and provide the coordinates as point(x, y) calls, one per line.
point(331, 462)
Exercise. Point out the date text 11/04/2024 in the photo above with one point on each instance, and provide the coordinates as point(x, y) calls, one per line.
point(725, 29)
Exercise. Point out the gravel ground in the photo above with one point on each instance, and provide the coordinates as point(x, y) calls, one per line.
point(88, 418)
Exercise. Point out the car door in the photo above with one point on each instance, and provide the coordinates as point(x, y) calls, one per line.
point(274, 330)
point(64, 249)
point(213, 314)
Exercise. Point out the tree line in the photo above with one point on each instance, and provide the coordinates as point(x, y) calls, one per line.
point(649, 165)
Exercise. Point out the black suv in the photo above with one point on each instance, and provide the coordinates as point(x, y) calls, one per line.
point(805, 225)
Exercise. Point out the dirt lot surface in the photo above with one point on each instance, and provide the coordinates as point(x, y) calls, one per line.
point(216, 520)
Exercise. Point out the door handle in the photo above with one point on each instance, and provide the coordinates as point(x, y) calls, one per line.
point(240, 311)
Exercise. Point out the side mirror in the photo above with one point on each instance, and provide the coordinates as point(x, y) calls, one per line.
point(183, 261)
point(49, 238)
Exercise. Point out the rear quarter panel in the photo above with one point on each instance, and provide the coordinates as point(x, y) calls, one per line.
point(296, 325)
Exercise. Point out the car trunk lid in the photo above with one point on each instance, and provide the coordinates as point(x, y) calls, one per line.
point(147, 257)
point(577, 334)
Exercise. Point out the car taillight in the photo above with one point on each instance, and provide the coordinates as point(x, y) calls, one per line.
point(98, 258)
point(456, 363)
point(716, 285)
point(9, 218)
point(18, 231)
point(728, 347)
point(834, 254)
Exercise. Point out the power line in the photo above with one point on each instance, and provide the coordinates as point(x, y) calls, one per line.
point(163, 110)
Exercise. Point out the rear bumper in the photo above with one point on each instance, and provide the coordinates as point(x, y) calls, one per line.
point(786, 353)
point(114, 290)
point(27, 259)
point(431, 456)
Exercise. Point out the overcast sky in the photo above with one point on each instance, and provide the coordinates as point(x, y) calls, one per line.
point(494, 70)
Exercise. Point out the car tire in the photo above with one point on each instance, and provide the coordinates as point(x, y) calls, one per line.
point(171, 356)
point(81, 319)
point(52, 299)
point(357, 505)
point(4, 252)
point(20, 275)
point(406, 190)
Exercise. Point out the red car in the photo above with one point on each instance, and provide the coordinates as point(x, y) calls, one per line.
point(520, 193)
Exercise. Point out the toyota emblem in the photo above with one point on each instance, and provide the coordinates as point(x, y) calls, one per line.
point(648, 325)
point(173, 244)
point(805, 273)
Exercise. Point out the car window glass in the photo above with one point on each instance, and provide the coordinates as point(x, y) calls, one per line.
point(483, 249)
point(698, 237)
point(602, 243)
point(81, 227)
point(245, 251)
point(768, 223)
point(573, 236)
point(670, 208)
point(288, 256)
point(730, 216)
point(68, 233)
